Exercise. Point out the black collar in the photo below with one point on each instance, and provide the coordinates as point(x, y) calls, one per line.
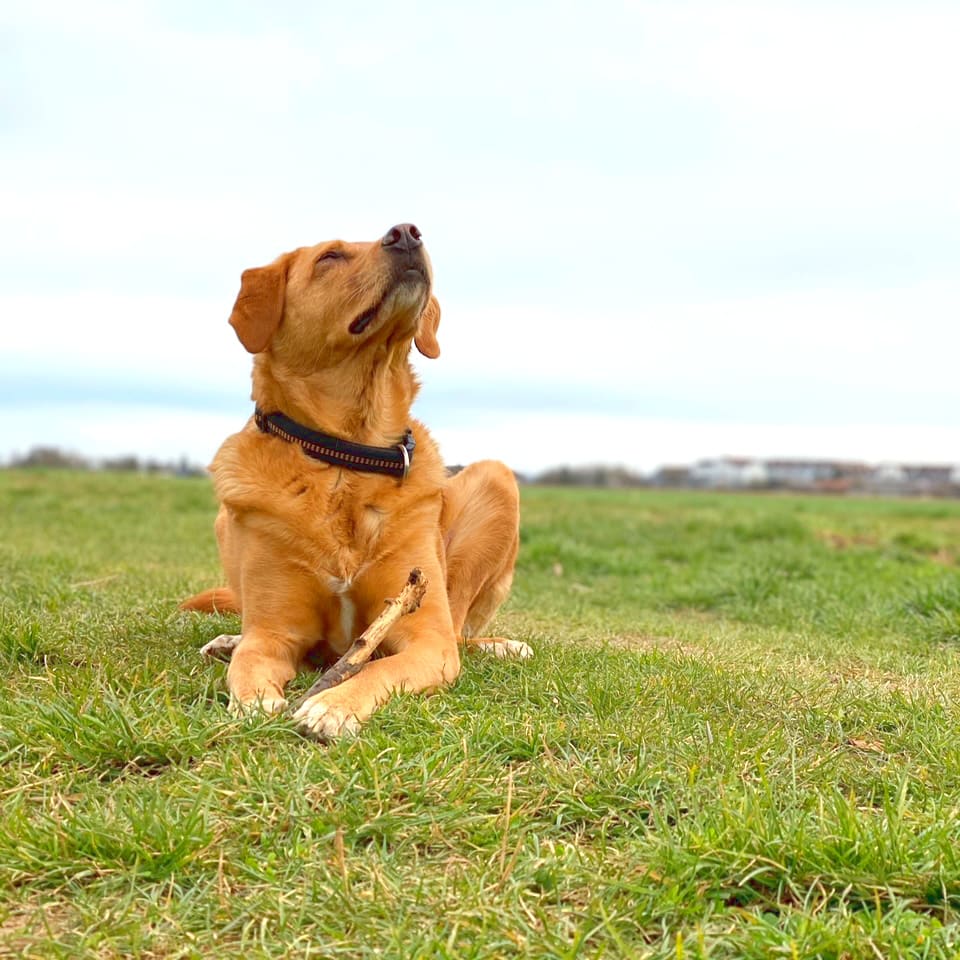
point(393, 461)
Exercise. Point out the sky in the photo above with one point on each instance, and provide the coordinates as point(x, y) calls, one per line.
point(660, 231)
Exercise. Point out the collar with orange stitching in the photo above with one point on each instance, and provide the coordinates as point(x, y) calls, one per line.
point(392, 461)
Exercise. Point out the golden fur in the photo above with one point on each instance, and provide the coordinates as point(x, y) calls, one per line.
point(310, 550)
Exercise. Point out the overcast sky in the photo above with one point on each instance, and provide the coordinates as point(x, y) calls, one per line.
point(660, 231)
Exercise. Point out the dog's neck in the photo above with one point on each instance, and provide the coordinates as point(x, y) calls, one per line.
point(367, 400)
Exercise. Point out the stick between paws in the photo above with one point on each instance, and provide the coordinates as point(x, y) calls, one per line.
point(363, 647)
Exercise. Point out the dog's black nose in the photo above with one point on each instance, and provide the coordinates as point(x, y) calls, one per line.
point(402, 237)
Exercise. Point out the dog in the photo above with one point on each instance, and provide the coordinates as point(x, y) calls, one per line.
point(332, 493)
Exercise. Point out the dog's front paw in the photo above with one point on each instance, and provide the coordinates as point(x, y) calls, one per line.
point(222, 647)
point(265, 704)
point(321, 718)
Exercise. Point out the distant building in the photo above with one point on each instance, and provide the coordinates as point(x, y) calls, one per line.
point(591, 476)
point(929, 478)
point(824, 476)
point(729, 473)
point(671, 476)
point(914, 478)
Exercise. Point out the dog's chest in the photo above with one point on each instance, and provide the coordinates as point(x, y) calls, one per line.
point(344, 544)
point(348, 609)
point(352, 546)
point(349, 533)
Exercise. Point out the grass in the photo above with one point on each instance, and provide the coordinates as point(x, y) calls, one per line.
point(737, 739)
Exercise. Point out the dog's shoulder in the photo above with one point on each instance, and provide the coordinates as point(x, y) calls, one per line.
point(249, 468)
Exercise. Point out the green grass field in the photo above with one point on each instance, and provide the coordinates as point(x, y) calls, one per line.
point(738, 738)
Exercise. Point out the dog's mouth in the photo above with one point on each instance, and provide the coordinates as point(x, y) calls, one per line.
point(414, 275)
point(361, 323)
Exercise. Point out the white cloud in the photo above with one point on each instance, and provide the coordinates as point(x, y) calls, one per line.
point(881, 340)
point(531, 443)
point(889, 68)
point(163, 340)
point(111, 430)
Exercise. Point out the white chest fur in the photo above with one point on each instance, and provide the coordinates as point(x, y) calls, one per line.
point(348, 611)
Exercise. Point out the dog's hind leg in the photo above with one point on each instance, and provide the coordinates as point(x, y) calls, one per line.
point(481, 533)
point(500, 648)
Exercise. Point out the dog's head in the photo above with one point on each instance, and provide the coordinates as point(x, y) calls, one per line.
point(311, 306)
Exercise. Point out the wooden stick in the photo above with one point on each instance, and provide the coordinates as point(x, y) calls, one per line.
point(364, 646)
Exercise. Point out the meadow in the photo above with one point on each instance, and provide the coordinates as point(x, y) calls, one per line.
point(737, 738)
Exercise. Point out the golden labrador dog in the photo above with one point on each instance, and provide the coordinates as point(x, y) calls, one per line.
point(332, 493)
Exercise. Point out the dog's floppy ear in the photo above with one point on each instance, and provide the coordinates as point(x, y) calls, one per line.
point(259, 307)
point(426, 338)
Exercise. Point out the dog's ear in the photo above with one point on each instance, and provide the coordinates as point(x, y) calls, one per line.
point(426, 338)
point(259, 307)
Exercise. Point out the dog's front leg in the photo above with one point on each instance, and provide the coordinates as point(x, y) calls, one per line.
point(263, 663)
point(280, 614)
